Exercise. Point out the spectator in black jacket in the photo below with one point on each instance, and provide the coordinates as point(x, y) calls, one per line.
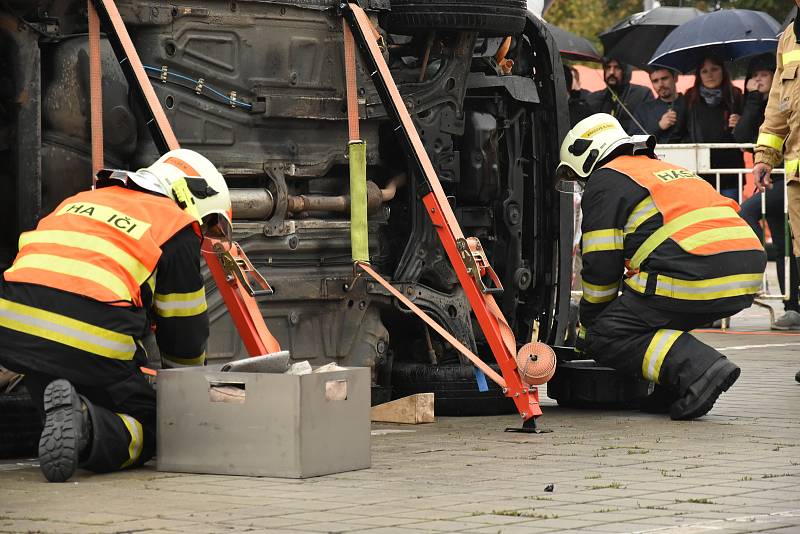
point(665, 117)
point(620, 98)
point(757, 85)
point(578, 107)
point(713, 106)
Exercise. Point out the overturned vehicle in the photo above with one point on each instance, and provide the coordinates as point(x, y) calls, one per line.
point(258, 87)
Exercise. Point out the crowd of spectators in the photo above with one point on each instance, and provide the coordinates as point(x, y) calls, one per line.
point(713, 110)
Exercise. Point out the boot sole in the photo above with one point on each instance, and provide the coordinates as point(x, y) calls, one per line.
point(58, 450)
point(704, 404)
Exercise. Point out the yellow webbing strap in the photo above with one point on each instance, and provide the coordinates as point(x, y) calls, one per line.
point(357, 154)
point(359, 234)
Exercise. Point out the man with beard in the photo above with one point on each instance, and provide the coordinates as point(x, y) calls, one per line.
point(663, 117)
point(620, 98)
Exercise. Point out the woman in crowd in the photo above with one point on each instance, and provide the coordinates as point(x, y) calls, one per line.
point(757, 85)
point(713, 106)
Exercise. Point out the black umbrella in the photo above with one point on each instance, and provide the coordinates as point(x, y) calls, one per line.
point(728, 34)
point(634, 39)
point(573, 46)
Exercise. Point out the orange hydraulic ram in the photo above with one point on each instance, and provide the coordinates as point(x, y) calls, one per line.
point(465, 255)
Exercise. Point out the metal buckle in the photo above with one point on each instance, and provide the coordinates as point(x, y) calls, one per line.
point(474, 258)
point(235, 263)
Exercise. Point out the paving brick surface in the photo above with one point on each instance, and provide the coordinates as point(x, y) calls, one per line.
point(736, 470)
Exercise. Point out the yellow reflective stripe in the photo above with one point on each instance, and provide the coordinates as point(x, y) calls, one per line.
point(715, 235)
point(656, 352)
point(596, 294)
point(679, 223)
point(599, 240)
point(790, 57)
point(76, 268)
point(180, 304)
point(638, 282)
point(770, 140)
point(137, 439)
point(710, 288)
point(643, 211)
point(791, 167)
point(151, 283)
point(66, 330)
point(170, 361)
point(91, 243)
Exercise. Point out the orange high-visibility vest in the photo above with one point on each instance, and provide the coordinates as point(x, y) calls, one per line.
point(696, 217)
point(102, 244)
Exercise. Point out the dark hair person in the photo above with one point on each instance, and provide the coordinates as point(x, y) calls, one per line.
point(713, 107)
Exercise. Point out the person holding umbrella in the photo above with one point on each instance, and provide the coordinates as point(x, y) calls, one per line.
point(779, 136)
point(713, 107)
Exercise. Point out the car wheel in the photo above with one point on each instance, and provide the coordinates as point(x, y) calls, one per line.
point(20, 425)
point(454, 387)
point(496, 18)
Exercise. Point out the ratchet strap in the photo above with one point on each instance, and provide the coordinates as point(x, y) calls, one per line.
point(160, 129)
point(95, 89)
point(357, 156)
point(460, 347)
point(465, 255)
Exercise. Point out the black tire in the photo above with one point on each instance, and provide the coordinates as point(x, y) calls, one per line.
point(495, 18)
point(454, 387)
point(20, 425)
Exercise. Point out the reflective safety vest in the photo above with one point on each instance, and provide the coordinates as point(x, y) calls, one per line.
point(102, 244)
point(696, 217)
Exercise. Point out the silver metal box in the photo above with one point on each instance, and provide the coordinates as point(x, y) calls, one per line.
point(285, 426)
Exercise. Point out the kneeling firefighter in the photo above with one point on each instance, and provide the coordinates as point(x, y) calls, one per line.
point(676, 248)
point(85, 288)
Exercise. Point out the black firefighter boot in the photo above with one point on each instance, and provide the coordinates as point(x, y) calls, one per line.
point(701, 395)
point(66, 433)
point(797, 376)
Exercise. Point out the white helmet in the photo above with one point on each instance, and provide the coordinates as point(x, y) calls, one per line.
point(188, 178)
point(592, 140)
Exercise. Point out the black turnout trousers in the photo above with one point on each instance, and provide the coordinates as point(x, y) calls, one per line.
point(123, 416)
point(634, 337)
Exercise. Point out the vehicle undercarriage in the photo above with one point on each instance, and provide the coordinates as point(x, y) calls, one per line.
point(258, 87)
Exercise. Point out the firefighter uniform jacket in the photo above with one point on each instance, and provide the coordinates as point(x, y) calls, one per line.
point(93, 276)
point(779, 137)
point(664, 233)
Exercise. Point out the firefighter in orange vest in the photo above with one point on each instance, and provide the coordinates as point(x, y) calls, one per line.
point(85, 288)
point(663, 253)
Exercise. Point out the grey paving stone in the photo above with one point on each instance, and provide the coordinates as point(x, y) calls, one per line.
point(269, 522)
point(742, 457)
point(511, 529)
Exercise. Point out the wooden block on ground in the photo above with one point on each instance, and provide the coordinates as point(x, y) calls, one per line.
point(412, 410)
